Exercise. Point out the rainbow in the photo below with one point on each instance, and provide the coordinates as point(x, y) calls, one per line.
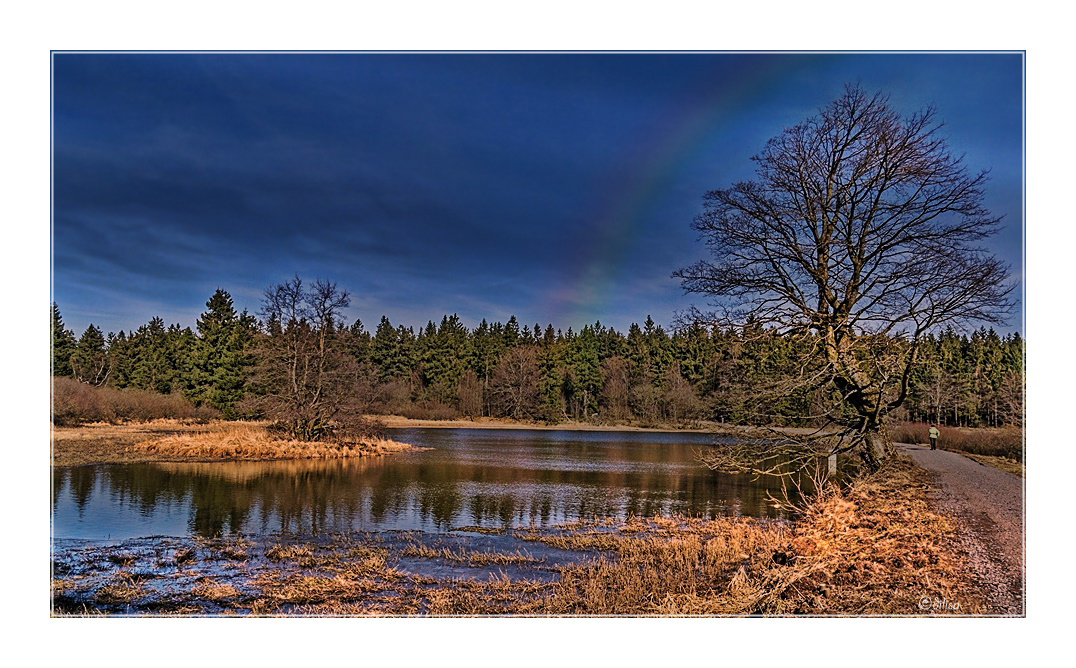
point(592, 267)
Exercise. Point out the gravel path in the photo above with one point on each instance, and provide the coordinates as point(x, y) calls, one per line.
point(988, 505)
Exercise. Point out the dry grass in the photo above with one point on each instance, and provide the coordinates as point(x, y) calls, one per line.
point(289, 553)
point(298, 589)
point(124, 589)
point(1000, 463)
point(876, 549)
point(253, 441)
point(105, 443)
point(235, 549)
point(213, 591)
point(174, 440)
point(471, 558)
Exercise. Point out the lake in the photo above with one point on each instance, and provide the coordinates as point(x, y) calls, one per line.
point(470, 477)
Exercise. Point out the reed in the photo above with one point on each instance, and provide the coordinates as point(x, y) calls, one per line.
point(250, 441)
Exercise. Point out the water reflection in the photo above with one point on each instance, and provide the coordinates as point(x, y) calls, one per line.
point(471, 477)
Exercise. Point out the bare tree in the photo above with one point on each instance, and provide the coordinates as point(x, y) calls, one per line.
point(470, 394)
point(515, 382)
point(681, 403)
point(859, 236)
point(307, 381)
point(616, 388)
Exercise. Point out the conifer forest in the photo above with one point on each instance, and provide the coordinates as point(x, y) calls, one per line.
point(649, 375)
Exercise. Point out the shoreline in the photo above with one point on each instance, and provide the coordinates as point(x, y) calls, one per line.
point(400, 422)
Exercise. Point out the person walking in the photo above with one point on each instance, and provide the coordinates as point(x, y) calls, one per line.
point(934, 434)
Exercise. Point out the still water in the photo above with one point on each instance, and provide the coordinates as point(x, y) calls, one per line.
point(469, 477)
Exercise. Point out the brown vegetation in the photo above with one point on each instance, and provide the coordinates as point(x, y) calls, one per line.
point(1000, 463)
point(176, 440)
point(1007, 442)
point(401, 420)
point(76, 403)
point(877, 549)
point(253, 441)
point(105, 443)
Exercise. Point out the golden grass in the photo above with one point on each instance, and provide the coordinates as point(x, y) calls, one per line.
point(123, 589)
point(251, 441)
point(235, 549)
point(213, 591)
point(876, 550)
point(1000, 463)
point(879, 549)
point(301, 589)
point(289, 553)
point(473, 558)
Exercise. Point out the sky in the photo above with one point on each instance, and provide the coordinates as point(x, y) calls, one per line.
point(559, 188)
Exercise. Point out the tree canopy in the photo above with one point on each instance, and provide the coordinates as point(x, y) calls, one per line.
point(860, 234)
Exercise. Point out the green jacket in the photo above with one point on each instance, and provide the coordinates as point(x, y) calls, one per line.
point(934, 433)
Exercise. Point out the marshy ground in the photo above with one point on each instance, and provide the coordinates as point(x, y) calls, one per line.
point(877, 549)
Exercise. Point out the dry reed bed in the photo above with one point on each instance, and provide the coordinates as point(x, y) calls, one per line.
point(247, 441)
point(877, 550)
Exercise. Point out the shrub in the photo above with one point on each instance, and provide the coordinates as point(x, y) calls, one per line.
point(994, 442)
point(75, 403)
point(428, 410)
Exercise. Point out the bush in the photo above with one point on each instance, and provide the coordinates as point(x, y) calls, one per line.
point(428, 410)
point(994, 442)
point(75, 403)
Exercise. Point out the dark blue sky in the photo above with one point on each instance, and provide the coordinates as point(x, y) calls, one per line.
point(559, 188)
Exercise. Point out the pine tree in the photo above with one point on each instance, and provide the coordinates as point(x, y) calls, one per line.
point(150, 368)
point(63, 344)
point(220, 361)
point(90, 363)
point(383, 350)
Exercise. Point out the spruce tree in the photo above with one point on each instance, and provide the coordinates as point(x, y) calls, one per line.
point(63, 344)
point(220, 360)
point(90, 363)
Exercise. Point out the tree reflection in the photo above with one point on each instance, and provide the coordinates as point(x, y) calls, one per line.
point(475, 481)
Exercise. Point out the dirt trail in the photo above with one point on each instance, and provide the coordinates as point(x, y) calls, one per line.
point(988, 505)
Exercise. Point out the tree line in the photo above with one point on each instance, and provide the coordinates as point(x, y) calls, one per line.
point(301, 365)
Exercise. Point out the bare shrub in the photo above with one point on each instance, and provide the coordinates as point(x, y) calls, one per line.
point(1005, 442)
point(75, 403)
point(514, 385)
point(427, 410)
